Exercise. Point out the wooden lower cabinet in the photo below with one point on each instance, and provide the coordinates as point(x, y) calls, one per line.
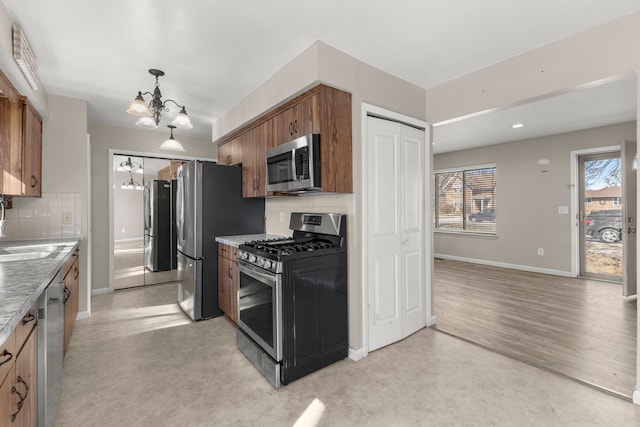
point(19, 389)
point(71, 281)
point(228, 281)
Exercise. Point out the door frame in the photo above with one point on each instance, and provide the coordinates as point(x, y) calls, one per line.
point(113, 152)
point(367, 110)
point(575, 201)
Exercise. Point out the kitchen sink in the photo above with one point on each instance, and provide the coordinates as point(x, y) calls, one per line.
point(28, 252)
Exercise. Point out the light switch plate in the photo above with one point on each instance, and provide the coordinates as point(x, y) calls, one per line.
point(563, 210)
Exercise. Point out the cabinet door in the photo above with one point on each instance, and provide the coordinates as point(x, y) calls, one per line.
point(254, 146)
point(8, 400)
point(10, 147)
point(223, 285)
point(32, 151)
point(233, 291)
point(26, 381)
point(230, 153)
point(299, 120)
point(70, 301)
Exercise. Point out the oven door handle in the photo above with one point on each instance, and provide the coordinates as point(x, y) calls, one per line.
point(266, 278)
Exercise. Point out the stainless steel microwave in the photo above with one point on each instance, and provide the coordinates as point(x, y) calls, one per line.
point(295, 165)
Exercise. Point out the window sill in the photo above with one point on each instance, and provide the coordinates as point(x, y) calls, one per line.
point(473, 234)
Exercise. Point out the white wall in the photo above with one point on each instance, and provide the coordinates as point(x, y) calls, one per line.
point(527, 200)
point(599, 53)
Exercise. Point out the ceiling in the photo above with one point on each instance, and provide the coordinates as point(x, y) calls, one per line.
point(215, 53)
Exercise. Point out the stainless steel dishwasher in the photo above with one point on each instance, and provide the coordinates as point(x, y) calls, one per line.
point(50, 346)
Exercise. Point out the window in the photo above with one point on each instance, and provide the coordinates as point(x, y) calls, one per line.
point(465, 199)
point(588, 201)
point(616, 201)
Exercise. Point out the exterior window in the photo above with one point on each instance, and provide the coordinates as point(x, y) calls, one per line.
point(588, 201)
point(465, 200)
point(616, 201)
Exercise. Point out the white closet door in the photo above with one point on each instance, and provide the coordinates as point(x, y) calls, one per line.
point(395, 203)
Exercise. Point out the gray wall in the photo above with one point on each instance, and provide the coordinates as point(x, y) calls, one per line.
point(527, 200)
point(104, 138)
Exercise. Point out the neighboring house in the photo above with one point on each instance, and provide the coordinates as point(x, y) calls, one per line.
point(479, 191)
point(602, 199)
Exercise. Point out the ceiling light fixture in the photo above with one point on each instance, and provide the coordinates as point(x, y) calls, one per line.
point(129, 166)
point(172, 144)
point(131, 184)
point(517, 125)
point(151, 114)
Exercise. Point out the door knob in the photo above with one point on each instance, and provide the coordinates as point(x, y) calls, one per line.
point(405, 242)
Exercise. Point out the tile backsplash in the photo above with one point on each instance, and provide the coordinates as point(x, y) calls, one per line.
point(52, 215)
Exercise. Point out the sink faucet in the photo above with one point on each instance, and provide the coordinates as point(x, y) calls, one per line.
point(3, 225)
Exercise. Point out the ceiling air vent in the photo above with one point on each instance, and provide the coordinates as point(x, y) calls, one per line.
point(23, 55)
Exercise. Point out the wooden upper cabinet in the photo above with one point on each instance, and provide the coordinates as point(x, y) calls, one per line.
point(322, 110)
point(297, 121)
point(230, 154)
point(20, 144)
point(254, 145)
point(32, 150)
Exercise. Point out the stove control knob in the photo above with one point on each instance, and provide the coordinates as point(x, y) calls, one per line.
point(260, 262)
point(267, 263)
point(243, 255)
point(252, 258)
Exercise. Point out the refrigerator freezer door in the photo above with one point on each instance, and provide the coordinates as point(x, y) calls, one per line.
point(190, 286)
point(189, 209)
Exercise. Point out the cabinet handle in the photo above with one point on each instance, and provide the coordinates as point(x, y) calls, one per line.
point(26, 387)
point(293, 127)
point(67, 294)
point(229, 159)
point(6, 353)
point(34, 181)
point(22, 398)
point(28, 318)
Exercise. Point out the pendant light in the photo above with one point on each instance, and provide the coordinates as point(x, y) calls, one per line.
point(131, 184)
point(129, 166)
point(171, 144)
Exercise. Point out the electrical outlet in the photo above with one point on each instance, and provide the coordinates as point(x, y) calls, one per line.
point(281, 216)
point(66, 218)
point(541, 251)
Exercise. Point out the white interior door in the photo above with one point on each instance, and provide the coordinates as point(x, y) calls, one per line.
point(395, 201)
point(629, 226)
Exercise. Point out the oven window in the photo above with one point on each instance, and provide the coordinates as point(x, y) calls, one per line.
point(256, 307)
point(280, 168)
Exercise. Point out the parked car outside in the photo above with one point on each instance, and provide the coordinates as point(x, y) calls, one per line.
point(605, 225)
point(488, 215)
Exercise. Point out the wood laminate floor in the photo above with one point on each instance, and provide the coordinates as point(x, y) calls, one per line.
point(583, 329)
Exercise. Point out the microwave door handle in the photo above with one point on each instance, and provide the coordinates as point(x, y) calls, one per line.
point(294, 171)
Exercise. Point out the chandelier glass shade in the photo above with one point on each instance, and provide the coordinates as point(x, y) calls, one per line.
point(150, 114)
point(172, 144)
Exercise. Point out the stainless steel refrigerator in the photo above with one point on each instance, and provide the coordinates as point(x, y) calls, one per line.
point(209, 203)
point(157, 225)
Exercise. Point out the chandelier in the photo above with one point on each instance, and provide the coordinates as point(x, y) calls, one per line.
point(151, 114)
point(131, 184)
point(130, 166)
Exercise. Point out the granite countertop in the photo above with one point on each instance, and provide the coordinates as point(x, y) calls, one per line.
point(238, 240)
point(22, 281)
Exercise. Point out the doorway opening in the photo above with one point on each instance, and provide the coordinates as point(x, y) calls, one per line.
point(601, 223)
point(143, 231)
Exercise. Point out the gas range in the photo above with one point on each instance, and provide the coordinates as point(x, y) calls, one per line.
point(313, 235)
point(289, 289)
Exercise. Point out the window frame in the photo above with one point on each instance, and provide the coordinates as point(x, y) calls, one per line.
point(436, 194)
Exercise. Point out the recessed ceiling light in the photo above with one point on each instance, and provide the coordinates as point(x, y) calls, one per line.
point(517, 125)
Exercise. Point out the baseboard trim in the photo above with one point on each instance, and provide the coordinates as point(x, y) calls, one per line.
point(100, 291)
point(506, 265)
point(432, 321)
point(356, 354)
point(636, 396)
point(83, 315)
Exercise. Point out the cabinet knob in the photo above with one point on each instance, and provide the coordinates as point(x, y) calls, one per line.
point(34, 181)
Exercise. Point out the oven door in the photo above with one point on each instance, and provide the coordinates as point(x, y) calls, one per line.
point(260, 307)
